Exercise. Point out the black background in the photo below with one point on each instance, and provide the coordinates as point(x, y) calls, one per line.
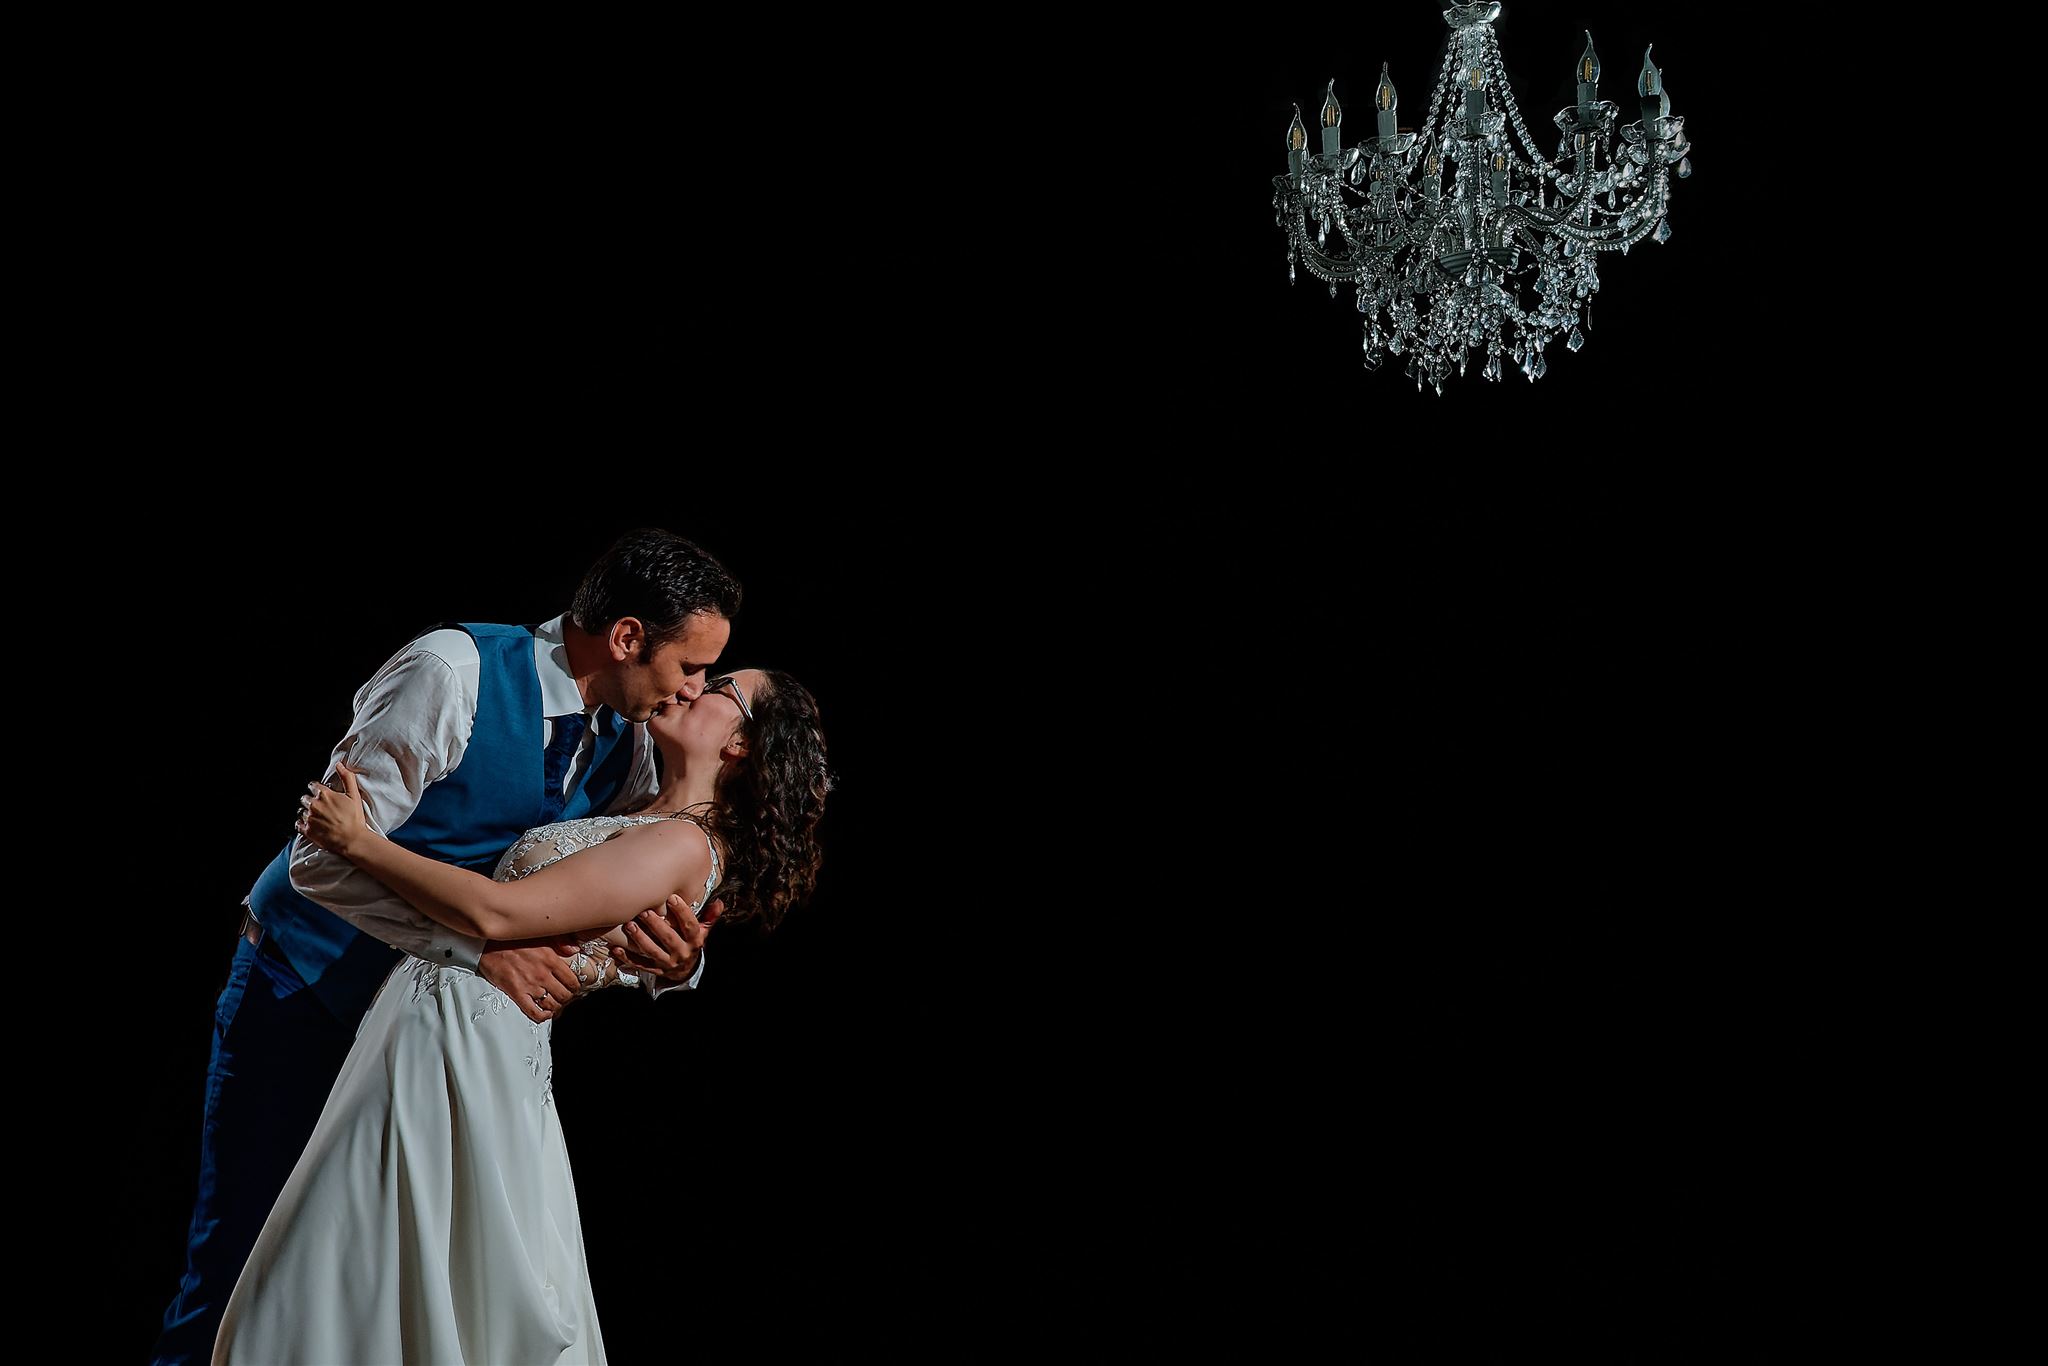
point(1312, 859)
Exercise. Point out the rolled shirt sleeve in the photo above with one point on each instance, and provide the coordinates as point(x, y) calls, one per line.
point(656, 988)
point(412, 725)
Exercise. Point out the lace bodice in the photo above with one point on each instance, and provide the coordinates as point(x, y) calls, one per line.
point(548, 844)
point(536, 849)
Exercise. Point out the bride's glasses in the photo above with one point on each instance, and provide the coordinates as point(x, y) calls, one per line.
point(732, 685)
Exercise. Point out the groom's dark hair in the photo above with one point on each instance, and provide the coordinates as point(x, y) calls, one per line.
point(658, 577)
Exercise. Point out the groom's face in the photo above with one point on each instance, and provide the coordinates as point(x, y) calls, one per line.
point(677, 669)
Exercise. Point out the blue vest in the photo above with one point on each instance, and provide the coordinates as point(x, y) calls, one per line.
point(468, 818)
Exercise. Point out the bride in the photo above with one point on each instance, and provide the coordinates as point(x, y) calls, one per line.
point(432, 1216)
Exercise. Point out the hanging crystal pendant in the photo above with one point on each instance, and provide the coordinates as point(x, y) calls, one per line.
point(1578, 339)
point(1685, 169)
point(1663, 233)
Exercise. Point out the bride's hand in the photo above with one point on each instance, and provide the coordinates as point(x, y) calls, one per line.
point(334, 820)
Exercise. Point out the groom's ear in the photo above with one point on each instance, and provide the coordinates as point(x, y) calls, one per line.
point(627, 637)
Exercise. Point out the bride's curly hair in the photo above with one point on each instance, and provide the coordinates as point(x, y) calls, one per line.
point(768, 807)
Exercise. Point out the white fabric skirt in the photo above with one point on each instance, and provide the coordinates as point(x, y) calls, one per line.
point(432, 1217)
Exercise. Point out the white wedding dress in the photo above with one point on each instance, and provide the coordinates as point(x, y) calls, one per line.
point(432, 1217)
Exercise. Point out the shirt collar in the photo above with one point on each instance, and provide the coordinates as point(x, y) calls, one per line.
point(558, 693)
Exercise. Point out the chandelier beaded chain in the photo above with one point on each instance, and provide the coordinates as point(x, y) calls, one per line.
point(1499, 262)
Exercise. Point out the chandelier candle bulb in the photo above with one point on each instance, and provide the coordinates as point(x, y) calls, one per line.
point(1656, 104)
point(1333, 121)
point(1589, 81)
point(1297, 147)
point(1386, 101)
point(1500, 179)
point(1475, 103)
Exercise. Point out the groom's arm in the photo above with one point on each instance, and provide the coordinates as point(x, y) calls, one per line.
point(411, 727)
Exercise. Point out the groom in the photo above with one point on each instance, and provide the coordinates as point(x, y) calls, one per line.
point(465, 739)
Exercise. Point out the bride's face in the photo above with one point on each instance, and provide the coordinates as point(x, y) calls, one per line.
point(702, 728)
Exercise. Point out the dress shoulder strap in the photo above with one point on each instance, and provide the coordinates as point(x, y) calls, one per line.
point(710, 843)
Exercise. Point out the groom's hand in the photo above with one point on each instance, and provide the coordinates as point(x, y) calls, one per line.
point(537, 978)
point(667, 942)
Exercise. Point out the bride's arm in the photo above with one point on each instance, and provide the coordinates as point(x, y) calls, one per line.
point(596, 889)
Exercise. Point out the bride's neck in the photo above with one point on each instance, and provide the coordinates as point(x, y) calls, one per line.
point(681, 790)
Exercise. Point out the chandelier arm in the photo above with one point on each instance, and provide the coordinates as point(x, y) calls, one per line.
point(1321, 264)
point(1329, 261)
point(1612, 236)
point(1552, 220)
point(1330, 269)
point(1404, 226)
point(1293, 214)
point(1359, 245)
point(1365, 252)
point(1525, 217)
point(1648, 206)
point(1645, 224)
point(1559, 220)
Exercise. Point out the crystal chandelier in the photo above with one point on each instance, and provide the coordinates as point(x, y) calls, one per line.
point(1499, 261)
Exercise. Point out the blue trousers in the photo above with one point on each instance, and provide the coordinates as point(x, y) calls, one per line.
point(276, 1053)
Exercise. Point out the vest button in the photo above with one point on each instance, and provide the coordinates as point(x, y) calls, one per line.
point(447, 953)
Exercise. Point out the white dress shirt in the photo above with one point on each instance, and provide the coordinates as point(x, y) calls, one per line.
point(412, 725)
